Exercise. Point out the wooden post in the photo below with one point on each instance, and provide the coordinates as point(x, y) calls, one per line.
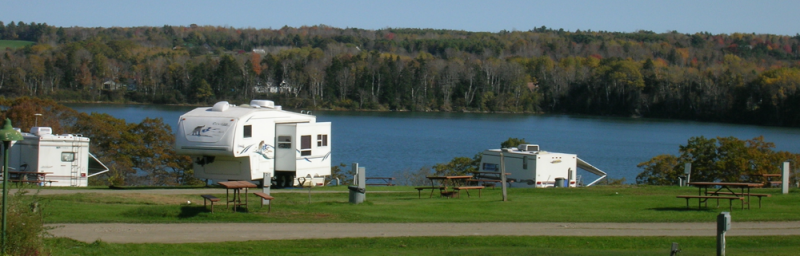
point(785, 180)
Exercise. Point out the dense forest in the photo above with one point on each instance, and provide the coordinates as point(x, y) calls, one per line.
point(742, 78)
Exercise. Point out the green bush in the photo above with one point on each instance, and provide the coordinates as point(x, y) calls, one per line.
point(25, 219)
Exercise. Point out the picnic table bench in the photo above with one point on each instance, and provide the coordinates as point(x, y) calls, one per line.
point(771, 183)
point(211, 198)
point(742, 194)
point(743, 189)
point(385, 181)
point(486, 182)
point(703, 199)
point(447, 181)
point(265, 197)
point(489, 179)
point(17, 182)
point(467, 188)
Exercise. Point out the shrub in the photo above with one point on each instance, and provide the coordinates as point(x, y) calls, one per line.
point(25, 219)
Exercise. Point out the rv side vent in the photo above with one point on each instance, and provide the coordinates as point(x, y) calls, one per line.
point(39, 131)
point(263, 103)
point(528, 147)
point(220, 106)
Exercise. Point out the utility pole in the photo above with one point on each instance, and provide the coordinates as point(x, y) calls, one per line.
point(7, 135)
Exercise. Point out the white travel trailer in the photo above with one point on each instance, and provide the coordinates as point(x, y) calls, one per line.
point(63, 158)
point(228, 142)
point(530, 167)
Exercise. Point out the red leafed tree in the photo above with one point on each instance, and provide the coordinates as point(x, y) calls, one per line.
point(255, 60)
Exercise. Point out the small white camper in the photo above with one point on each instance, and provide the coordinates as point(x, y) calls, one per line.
point(530, 167)
point(228, 142)
point(64, 159)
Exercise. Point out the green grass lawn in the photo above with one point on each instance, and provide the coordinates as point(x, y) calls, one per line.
point(484, 245)
point(14, 44)
point(401, 204)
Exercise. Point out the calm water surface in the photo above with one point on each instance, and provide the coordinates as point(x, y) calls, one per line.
point(388, 142)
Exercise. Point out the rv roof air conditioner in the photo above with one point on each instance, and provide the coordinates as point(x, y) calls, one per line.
point(263, 103)
point(528, 147)
point(39, 131)
point(221, 106)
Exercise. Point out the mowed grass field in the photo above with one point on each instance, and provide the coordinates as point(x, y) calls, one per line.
point(401, 204)
point(438, 246)
point(14, 44)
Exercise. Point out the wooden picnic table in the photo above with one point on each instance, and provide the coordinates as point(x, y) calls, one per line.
point(769, 181)
point(237, 187)
point(702, 189)
point(488, 178)
point(22, 177)
point(21, 174)
point(444, 181)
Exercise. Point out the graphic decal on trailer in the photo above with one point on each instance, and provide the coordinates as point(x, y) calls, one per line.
point(263, 149)
point(206, 129)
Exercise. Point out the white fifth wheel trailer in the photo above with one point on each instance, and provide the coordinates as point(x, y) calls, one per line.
point(228, 142)
point(530, 167)
point(63, 158)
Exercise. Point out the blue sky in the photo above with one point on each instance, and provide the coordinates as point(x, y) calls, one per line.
point(685, 16)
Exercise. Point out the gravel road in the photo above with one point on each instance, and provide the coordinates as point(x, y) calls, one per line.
point(223, 232)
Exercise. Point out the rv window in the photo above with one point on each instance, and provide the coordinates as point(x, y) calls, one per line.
point(67, 156)
point(305, 145)
point(489, 167)
point(322, 140)
point(248, 131)
point(284, 141)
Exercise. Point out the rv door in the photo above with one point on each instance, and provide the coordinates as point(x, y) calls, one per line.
point(285, 147)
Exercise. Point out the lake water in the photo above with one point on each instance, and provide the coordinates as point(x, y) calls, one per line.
point(388, 142)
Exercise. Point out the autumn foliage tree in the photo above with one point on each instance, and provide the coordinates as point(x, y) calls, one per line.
point(721, 159)
point(741, 78)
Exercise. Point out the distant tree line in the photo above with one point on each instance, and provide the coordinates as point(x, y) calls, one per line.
point(741, 78)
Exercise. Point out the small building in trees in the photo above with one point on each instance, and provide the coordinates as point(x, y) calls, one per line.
point(110, 85)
